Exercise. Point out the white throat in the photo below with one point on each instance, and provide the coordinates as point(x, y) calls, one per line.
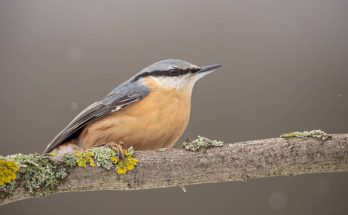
point(185, 82)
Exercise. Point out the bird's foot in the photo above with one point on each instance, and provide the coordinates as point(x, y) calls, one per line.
point(117, 146)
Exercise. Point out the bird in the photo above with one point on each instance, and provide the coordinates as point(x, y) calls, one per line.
point(150, 111)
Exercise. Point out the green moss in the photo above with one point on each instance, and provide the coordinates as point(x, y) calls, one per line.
point(37, 172)
point(105, 157)
point(7, 189)
point(108, 158)
point(319, 134)
point(201, 143)
point(70, 160)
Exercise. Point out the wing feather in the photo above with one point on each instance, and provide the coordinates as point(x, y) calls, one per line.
point(115, 101)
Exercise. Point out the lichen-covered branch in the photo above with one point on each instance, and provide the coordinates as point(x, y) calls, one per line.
point(293, 154)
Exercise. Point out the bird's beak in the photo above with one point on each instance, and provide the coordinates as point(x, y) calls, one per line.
point(205, 70)
point(209, 69)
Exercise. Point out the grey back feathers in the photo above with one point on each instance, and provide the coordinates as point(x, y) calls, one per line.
point(127, 93)
point(119, 98)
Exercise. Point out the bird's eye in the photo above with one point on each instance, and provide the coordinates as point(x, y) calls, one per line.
point(173, 72)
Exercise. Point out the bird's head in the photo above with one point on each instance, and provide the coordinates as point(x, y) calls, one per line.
point(174, 73)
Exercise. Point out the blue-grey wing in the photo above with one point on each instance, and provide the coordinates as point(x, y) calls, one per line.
point(118, 99)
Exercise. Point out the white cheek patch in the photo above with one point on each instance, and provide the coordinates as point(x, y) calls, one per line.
point(172, 82)
point(181, 82)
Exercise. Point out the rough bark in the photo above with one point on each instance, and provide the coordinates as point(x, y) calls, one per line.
point(232, 162)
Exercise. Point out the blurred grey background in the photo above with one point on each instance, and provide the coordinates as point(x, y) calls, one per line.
point(285, 67)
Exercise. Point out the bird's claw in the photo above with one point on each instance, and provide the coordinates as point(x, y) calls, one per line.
point(119, 147)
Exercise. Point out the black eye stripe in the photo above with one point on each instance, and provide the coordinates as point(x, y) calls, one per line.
point(165, 73)
point(174, 72)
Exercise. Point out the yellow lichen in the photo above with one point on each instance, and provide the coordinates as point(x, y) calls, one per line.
point(106, 158)
point(84, 158)
point(37, 172)
point(53, 154)
point(114, 159)
point(8, 171)
point(128, 163)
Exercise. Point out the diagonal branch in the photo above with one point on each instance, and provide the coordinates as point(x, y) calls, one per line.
point(232, 162)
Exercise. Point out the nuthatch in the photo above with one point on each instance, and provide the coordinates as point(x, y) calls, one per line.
point(149, 111)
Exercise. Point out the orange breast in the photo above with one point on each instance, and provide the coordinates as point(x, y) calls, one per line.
point(155, 122)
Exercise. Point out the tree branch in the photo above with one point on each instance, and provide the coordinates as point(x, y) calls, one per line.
point(232, 162)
